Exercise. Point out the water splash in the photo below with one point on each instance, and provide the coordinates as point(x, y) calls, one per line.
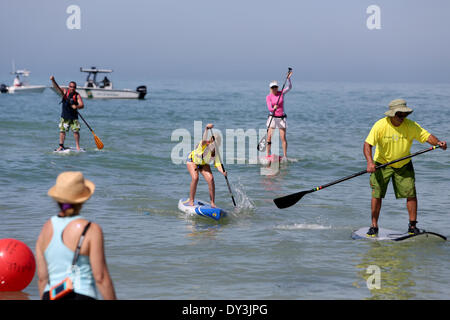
point(244, 205)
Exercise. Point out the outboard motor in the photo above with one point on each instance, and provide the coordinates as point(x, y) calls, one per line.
point(3, 88)
point(142, 90)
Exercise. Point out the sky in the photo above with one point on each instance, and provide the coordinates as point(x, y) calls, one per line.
point(322, 40)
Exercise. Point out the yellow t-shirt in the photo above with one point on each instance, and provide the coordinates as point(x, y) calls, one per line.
point(393, 142)
point(199, 157)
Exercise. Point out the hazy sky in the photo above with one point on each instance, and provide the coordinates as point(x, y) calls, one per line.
point(230, 39)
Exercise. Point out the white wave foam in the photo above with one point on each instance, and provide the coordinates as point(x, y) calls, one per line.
point(304, 226)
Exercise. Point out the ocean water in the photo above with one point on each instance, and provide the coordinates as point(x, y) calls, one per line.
point(259, 251)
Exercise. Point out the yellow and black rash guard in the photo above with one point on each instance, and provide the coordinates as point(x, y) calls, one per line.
point(200, 157)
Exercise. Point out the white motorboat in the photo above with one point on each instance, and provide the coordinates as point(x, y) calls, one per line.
point(103, 89)
point(20, 86)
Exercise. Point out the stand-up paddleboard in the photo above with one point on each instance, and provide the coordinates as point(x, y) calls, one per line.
point(201, 208)
point(392, 235)
point(69, 150)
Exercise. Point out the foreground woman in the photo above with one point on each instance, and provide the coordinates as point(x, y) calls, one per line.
point(70, 254)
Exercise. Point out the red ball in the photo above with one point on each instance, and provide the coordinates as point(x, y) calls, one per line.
point(17, 265)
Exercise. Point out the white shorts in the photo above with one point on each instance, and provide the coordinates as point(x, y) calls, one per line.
point(277, 123)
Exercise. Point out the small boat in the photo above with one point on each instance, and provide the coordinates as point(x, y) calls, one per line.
point(103, 89)
point(20, 86)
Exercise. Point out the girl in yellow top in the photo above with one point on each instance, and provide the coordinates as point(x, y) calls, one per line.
point(393, 137)
point(198, 161)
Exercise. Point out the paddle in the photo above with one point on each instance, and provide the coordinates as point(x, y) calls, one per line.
point(98, 142)
point(262, 143)
point(290, 200)
point(223, 168)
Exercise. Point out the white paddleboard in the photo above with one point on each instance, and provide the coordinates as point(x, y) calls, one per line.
point(392, 235)
point(201, 208)
point(69, 150)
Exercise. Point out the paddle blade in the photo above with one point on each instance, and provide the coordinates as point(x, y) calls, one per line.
point(289, 200)
point(98, 142)
point(262, 145)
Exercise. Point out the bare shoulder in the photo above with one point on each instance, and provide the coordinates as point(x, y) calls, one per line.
point(94, 232)
point(75, 228)
point(95, 236)
point(82, 223)
point(95, 228)
point(79, 223)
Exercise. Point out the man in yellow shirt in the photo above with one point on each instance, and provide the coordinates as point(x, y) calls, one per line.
point(393, 136)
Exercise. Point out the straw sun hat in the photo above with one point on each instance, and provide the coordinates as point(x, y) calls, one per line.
point(397, 105)
point(71, 187)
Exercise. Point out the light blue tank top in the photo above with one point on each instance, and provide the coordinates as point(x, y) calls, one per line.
point(59, 261)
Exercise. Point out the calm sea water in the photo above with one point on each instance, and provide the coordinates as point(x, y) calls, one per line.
point(259, 252)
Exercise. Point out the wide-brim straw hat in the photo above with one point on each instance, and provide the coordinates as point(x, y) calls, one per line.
point(71, 187)
point(397, 105)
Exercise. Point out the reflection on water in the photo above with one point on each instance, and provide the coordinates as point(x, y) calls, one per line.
point(402, 266)
point(14, 295)
point(200, 232)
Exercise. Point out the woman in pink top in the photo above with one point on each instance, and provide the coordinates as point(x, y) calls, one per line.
point(275, 104)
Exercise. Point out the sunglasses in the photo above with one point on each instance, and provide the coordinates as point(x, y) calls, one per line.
point(401, 114)
point(74, 87)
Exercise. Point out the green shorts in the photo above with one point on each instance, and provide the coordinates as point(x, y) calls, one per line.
point(65, 125)
point(403, 180)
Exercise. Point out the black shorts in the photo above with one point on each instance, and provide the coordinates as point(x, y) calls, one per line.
point(69, 296)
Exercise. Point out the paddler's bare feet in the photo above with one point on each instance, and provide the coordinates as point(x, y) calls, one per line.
point(191, 203)
point(213, 205)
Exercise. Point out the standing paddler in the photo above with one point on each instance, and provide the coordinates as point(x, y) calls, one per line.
point(277, 116)
point(198, 161)
point(71, 102)
point(393, 136)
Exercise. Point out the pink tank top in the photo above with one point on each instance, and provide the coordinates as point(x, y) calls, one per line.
point(272, 100)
